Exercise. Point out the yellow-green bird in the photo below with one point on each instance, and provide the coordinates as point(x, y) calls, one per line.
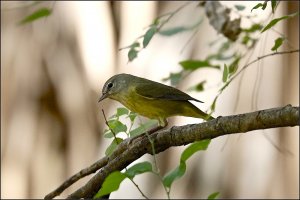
point(151, 99)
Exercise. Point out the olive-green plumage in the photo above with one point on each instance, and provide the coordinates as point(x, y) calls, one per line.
point(150, 99)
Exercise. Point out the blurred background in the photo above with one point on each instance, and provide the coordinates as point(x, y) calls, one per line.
point(53, 70)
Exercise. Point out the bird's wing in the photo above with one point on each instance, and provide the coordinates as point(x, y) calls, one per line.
point(154, 90)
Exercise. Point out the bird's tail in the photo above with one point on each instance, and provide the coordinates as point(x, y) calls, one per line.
point(200, 114)
point(205, 116)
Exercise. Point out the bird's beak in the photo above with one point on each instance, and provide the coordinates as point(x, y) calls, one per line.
point(103, 97)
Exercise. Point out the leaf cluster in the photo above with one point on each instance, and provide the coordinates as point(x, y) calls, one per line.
point(116, 126)
point(113, 181)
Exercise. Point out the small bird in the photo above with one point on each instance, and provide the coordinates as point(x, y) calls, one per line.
point(151, 99)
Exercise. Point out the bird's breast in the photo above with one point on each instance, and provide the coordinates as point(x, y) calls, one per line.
point(150, 108)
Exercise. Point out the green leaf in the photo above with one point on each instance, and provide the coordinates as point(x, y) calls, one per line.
point(263, 6)
point(117, 126)
point(110, 149)
point(148, 36)
point(193, 148)
point(122, 111)
point(257, 6)
point(111, 183)
point(174, 78)
point(213, 195)
point(213, 105)
point(132, 54)
point(233, 66)
point(225, 46)
point(132, 116)
point(172, 31)
point(108, 134)
point(142, 128)
point(275, 21)
point(246, 39)
point(186, 154)
point(219, 56)
point(239, 7)
point(199, 87)
point(174, 174)
point(253, 28)
point(225, 73)
point(156, 21)
point(178, 29)
point(273, 4)
point(138, 168)
point(277, 44)
point(196, 64)
point(134, 45)
point(42, 12)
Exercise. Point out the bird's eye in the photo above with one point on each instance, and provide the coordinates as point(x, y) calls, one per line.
point(110, 85)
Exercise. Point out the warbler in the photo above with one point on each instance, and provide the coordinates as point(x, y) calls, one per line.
point(151, 99)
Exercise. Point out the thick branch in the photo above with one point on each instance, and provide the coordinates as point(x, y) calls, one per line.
point(182, 135)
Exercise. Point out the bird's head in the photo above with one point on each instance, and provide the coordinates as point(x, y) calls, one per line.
point(115, 85)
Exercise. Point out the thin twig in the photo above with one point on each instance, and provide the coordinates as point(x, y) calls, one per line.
point(106, 122)
point(137, 186)
point(259, 75)
point(247, 65)
point(171, 14)
point(156, 172)
point(285, 38)
point(190, 39)
point(240, 83)
point(252, 62)
point(283, 151)
point(255, 96)
point(261, 57)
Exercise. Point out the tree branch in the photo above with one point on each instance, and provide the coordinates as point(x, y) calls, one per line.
point(130, 150)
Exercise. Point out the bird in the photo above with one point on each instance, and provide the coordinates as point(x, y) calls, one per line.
point(151, 99)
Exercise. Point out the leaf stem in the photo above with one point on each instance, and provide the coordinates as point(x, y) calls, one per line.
point(156, 171)
point(106, 122)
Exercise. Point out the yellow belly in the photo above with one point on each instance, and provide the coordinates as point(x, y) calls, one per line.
point(158, 108)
